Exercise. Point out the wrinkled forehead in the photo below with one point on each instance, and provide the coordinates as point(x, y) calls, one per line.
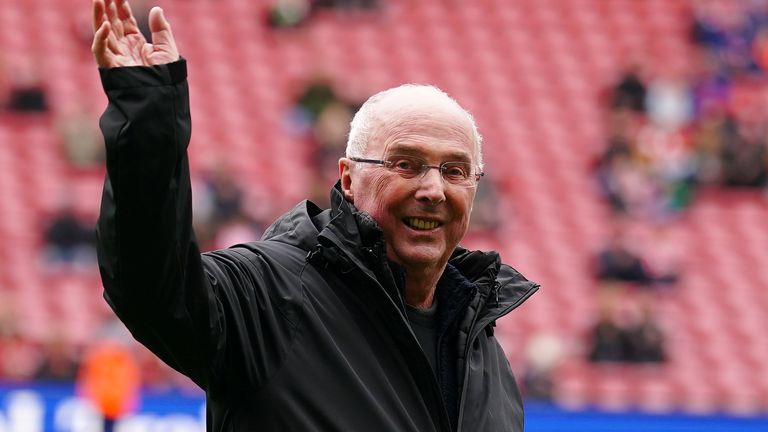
point(429, 124)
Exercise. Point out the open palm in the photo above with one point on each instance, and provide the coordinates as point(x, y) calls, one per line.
point(118, 42)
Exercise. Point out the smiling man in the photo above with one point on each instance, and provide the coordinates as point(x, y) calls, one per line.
point(365, 316)
point(423, 212)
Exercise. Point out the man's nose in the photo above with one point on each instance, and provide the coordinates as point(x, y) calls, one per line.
point(431, 187)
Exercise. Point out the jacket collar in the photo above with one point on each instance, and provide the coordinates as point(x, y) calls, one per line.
point(502, 287)
point(354, 232)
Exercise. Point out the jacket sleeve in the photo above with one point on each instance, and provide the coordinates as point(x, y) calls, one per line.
point(195, 312)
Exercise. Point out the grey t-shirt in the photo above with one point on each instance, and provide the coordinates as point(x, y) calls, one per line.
point(424, 324)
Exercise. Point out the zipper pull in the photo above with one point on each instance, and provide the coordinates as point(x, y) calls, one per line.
point(314, 254)
point(496, 287)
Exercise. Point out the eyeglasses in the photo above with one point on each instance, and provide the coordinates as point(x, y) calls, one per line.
point(455, 173)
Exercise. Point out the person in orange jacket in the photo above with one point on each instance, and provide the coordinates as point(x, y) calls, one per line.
point(109, 377)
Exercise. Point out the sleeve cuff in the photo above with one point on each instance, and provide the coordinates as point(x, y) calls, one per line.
point(143, 76)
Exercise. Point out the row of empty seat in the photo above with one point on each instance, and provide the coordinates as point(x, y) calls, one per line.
point(531, 71)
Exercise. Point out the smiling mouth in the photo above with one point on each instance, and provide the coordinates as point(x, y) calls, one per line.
point(421, 224)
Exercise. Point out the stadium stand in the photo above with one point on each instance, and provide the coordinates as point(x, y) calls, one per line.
point(531, 71)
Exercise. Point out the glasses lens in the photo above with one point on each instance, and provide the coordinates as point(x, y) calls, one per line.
point(458, 173)
point(406, 166)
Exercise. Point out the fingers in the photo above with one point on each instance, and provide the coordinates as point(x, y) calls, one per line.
point(114, 19)
point(112, 42)
point(104, 40)
point(123, 10)
point(124, 13)
point(118, 42)
point(101, 53)
point(146, 52)
point(98, 14)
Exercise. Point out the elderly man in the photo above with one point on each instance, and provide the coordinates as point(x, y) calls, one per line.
point(365, 316)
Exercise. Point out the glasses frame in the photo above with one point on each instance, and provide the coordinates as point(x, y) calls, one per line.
point(424, 168)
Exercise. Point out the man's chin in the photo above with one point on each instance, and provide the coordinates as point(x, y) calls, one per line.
point(419, 257)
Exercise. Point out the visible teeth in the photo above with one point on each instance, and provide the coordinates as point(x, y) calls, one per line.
point(421, 223)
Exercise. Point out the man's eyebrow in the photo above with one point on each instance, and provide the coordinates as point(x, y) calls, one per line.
point(458, 157)
point(417, 151)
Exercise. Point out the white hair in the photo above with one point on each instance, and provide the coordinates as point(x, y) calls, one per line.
point(363, 123)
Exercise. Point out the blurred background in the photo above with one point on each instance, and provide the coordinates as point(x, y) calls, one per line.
point(625, 144)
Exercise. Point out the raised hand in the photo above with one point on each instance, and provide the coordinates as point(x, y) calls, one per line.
point(118, 42)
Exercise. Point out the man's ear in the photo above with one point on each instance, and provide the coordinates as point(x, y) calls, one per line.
point(345, 174)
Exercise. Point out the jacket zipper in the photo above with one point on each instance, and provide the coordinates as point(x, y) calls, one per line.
point(377, 253)
point(473, 333)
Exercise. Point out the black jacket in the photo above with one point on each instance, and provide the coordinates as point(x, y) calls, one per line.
point(304, 330)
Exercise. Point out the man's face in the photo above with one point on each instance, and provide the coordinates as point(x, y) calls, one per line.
point(423, 218)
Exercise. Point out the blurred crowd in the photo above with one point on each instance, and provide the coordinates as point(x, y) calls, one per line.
point(285, 14)
point(57, 359)
point(671, 132)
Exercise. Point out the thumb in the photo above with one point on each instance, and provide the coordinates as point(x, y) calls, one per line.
point(163, 45)
point(159, 26)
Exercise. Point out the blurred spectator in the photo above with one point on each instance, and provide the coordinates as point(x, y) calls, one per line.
point(329, 135)
point(670, 166)
point(288, 13)
point(706, 28)
point(669, 101)
point(82, 142)
point(711, 135)
point(224, 194)
point(59, 360)
point(346, 4)
point(109, 377)
point(710, 88)
point(317, 95)
point(726, 30)
point(69, 241)
point(630, 91)
point(27, 93)
point(621, 172)
point(221, 218)
point(202, 209)
point(624, 183)
point(617, 262)
point(544, 353)
point(744, 159)
point(608, 339)
point(322, 116)
point(644, 340)
point(294, 13)
point(485, 212)
point(632, 341)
